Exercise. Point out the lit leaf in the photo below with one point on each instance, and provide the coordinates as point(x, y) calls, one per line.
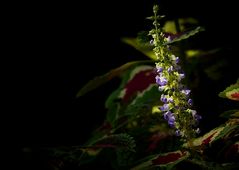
point(168, 160)
point(100, 80)
point(231, 92)
point(170, 27)
point(146, 49)
point(214, 135)
point(184, 35)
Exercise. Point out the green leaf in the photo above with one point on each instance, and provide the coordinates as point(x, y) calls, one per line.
point(230, 114)
point(170, 26)
point(214, 135)
point(168, 160)
point(100, 80)
point(185, 35)
point(135, 81)
point(231, 92)
point(144, 48)
point(116, 141)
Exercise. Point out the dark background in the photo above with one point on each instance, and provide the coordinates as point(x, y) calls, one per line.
point(55, 48)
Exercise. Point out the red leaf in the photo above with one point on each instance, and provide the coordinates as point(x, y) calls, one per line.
point(165, 159)
point(208, 140)
point(139, 83)
point(232, 151)
point(235, 95)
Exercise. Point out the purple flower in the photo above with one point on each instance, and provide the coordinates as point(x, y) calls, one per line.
point(190, 102)
point(196, 116)
point(159, 69)
point(177, 132)
point(163, 98)
point(181, 76)
point(167, 114)
point(164, 107)
point(160, 80)
point(186, 92)
point(175, 59)
point(171, 120)
point(170, 100)
point(170, 69)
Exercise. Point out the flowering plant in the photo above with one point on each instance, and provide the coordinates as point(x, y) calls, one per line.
point(135, 135)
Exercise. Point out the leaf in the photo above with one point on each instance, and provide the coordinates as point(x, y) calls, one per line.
point(233, 150)
point(231, 92)
point(100, 80)
point(215, 71)
point(168, 160)
point(230, 114)
point(134, 82)
point(214, 135)
point(170, 26)
point(144, 48)
point(116, 141)
point(184, 35)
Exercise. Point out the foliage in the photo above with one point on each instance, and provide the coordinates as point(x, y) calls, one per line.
point(134, 134)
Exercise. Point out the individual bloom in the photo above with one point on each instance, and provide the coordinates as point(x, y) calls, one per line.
point(197, 130)
point(161, 88)
point(167, 114)
point(165, 107)
point(196, 116)
point(194, 112)
point(170, 69)
point(159, 69)
point(181, 76)
point(167, 38)
point(151, 42)
point(177, 132)
point(171, 120)
point(186, 92)
point(163, 98)
point(170, 99)
point(175, 59)
point(160, 80)
point(190, 102)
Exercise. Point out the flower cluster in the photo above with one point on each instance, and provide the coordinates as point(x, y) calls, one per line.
point(175, 96)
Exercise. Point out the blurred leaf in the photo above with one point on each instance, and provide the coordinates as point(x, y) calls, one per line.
point(184, 35)
point(144, 48)
point(116, 141)
point(233, 150)
point(200, 53)
point(230, 114)
point(167, 160)
point(214, 134)
point(215, 71)
point(193, 53)
point(100, 80)
point(170, 26)
point(231, 92)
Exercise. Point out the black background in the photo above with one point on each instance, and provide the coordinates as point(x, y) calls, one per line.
point(55, 48)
